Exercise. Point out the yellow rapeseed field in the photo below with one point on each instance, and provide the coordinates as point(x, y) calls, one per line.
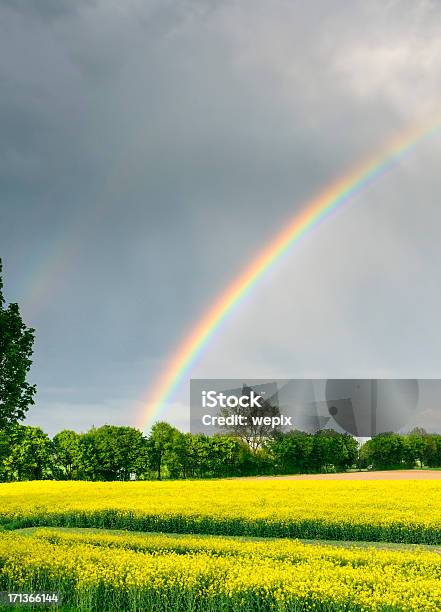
point(156, 571)
point(397, 511)
point(229, 568)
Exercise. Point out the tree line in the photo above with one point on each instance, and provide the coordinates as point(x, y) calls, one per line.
point(123, 453)
point(393, 451)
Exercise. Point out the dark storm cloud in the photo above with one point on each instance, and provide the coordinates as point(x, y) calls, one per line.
point(147, 149)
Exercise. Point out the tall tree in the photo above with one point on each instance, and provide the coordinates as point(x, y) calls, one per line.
point(291, 451)
point(67, 454)
point(30, 454)
point(432, 453)
point(323, 455)
point(110, 452)
point(159, 443)
point(16, 341)
point(384, 451)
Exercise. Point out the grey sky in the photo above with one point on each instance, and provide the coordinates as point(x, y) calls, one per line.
point(149, 148)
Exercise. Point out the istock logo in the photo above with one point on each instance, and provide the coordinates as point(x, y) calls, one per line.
point(211, 399)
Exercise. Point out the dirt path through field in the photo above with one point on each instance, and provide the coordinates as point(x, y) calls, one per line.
point(386, 475)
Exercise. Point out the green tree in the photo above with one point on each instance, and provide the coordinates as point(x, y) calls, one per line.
point(110, 452)
point(160, 442)
point(227, 455)
point(325, 453)
point(291, 452)
point(199, 455)
point(67, 454)
point(89, 459)
point(5, 448)
point(414, 447)
point(176, 454)
point(120, 448)
point(432, 452)
point(384, 451)
point(30, 455)
point(345, 451)
point(16, 341)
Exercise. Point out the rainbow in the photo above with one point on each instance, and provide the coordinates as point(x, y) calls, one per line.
point(314, 213)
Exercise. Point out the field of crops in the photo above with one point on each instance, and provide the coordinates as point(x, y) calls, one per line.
point(406, 511)
point(229, 568)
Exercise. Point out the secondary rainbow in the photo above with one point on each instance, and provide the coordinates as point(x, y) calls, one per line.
point(313, 213)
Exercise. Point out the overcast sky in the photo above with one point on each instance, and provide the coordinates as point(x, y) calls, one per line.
point(149, 148)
